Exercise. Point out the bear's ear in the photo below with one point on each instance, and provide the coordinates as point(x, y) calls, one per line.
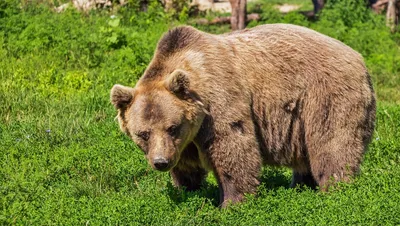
point(178, 83)
point(121, 96)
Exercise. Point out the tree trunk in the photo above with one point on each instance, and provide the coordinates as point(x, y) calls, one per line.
point(318, 5)
point(238, 15)
point(392, 15)
point(168, 4)
point(242, 14)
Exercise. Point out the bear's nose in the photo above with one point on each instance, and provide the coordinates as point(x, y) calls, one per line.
point(160, 163)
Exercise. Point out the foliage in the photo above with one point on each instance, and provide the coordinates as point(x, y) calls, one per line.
point(64, 161)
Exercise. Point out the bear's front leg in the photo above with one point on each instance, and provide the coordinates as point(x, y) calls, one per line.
point(236, 162)
point(188, 172)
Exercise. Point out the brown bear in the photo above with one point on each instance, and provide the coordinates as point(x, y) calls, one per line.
point(275, 94)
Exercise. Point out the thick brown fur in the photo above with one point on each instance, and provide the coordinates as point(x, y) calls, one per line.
point(275, 94)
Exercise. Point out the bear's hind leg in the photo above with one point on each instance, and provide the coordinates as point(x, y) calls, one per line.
point(337, 129)
point(331, 167)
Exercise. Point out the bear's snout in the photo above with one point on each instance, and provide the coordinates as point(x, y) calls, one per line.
point(161, 163)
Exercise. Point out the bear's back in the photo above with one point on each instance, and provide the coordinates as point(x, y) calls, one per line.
point(300, 48)
point(293, 57)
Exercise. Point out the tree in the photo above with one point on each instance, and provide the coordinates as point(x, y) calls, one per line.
point(318, 5)
point(238, 15)
point(392, 15)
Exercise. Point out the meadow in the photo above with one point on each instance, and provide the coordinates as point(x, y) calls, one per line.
point(64, 160)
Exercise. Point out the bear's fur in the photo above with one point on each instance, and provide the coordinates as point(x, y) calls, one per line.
point(275, 94)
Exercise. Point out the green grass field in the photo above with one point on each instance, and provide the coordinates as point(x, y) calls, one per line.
point(64, 160)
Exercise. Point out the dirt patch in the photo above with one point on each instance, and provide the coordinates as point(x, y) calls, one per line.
point(285, 8)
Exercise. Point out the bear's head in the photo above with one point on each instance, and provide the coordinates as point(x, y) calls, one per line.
point(161, 116)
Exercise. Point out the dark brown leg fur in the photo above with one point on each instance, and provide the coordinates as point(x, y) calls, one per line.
point(188, 173)
point(237, 165)
point(327, 171)
point(302, 179)
point(189, 178)
point(328, 168)
point(233, 153)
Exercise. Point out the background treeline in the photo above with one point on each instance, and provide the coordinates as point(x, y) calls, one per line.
point(126, 36)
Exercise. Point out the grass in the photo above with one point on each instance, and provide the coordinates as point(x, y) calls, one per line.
point(64, 161)
point(85, 171)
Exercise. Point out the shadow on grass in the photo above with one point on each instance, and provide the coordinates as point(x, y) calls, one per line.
point(271, 179)
point(181, 195)
point(276, 178)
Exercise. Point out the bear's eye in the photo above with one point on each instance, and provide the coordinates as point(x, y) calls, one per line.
point(144, 135)
point(173, 130)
